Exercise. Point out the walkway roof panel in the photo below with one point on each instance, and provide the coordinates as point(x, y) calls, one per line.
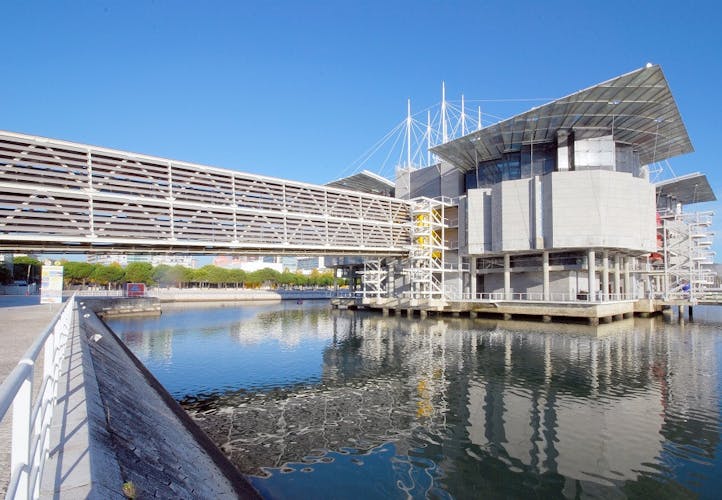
point(687, 189)
point(637, 108)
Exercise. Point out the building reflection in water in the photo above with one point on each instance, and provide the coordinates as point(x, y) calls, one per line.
point(497, 407)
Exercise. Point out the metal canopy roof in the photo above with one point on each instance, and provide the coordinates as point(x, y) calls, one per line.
point(637, 108)
point(687, 189)
point(365, 182)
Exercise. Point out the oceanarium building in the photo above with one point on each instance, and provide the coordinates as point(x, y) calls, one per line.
point(556, 204)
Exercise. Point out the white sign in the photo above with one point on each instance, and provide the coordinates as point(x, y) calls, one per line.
point(52, 285)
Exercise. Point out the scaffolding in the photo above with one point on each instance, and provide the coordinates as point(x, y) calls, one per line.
point(686, 246)
point(426, 269)
point(374, 279)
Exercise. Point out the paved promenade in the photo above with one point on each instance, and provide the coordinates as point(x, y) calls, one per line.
point(22, 320)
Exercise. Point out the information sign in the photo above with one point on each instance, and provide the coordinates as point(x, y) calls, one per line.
point(51, 291)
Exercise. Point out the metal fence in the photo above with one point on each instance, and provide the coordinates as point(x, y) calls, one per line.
point(31, 420)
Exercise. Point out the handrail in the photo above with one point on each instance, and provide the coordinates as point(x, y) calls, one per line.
point(31, 421)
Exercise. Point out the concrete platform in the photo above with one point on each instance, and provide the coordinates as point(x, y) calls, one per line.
point(591, 312)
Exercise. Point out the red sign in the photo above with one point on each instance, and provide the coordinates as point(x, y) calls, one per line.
point(135, 290)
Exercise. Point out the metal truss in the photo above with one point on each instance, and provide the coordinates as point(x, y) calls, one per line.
point(426, 255)
point(686, 245)
point(67, 197)
point(374, 279)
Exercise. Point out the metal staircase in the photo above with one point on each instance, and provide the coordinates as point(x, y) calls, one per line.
point(686, 248)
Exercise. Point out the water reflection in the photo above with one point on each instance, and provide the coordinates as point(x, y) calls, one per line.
point(470, 407)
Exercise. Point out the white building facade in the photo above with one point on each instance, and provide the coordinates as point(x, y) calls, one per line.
point(556, 204)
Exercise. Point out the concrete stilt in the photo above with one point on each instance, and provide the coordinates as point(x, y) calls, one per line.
point(472, 314)
point(507, 316)
point(423, 313)
point(546, 319)
point(690, 313)
point(594, 321)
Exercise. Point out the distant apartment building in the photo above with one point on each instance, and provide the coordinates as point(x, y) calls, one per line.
point(123, 260)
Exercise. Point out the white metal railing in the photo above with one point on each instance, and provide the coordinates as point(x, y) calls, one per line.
point(539, 297)
point(31, 421)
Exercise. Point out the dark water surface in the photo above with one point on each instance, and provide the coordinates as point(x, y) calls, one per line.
point(315, 403)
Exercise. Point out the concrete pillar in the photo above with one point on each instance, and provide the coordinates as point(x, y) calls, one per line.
point(627, 279)
point(472, 314)
point(422, 313)
point(472, 273)
point(545, 275)
point(591, 274)
point(617, 283)
point(507, 276)
point(605, 275)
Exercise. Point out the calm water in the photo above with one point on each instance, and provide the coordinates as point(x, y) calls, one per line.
point(315, 403)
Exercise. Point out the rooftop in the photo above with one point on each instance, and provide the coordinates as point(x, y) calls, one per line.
point(636, 108)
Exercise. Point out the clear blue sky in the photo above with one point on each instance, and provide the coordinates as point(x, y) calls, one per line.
point(300, 89)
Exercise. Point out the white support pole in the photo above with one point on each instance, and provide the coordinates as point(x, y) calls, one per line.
point(627, 280)
point(428, 138)
point(507, 277)
point(617, 282)
point(408, 133)
point(472, 273)
point(463, 117)
point(478, 122)
point(591, 275)
point(545, 275)
point(444, 134)
point(605, 275)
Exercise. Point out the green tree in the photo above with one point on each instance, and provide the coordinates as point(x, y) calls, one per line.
point(77, 273)
point(217, 275)
point(236, 276)
point(175, 275)
point(200, 276)
point(27, 260)
point(106, 275)
point(139, 272)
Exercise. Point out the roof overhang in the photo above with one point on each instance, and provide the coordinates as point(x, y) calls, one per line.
point(636, 108)
point(365, 182)
point(687, 189)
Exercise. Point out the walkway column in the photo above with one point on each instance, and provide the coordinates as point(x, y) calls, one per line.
point(507, 277)
point(472, 273)
point(545, 274)
point(627, 281)
point(617, 283)
point(591, 272)
point(605, 276)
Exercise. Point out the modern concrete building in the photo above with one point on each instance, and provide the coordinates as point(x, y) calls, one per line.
point(556, 204)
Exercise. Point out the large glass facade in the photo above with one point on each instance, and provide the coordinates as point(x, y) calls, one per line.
point(527, 162)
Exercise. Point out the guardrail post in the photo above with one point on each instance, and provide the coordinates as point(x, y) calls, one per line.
point(22, 409)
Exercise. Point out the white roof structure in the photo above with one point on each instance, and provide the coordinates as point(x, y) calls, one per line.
point(636, 108)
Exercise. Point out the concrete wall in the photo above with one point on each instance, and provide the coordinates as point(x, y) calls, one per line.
point(478, 221)
point(598, 208)
point(573, 209)
point(512, 215)
point(431, 182)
